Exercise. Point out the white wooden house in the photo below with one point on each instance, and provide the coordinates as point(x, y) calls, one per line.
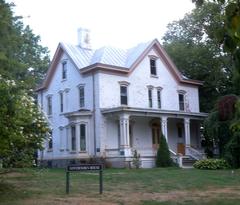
point(110, 101)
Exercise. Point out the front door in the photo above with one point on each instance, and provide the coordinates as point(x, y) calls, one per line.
point(155, 135)
point(181, 148)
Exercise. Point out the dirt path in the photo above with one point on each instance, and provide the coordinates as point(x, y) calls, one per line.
point(116, 198)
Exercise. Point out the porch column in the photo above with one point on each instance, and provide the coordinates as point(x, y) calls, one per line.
point(124, 135)
point(164, 127)
point(187, 134)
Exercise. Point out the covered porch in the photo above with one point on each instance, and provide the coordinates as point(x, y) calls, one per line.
point(129, 129)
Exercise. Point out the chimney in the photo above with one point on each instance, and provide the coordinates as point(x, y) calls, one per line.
point(84, 38)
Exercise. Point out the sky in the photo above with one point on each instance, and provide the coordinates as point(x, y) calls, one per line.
point(119, 23)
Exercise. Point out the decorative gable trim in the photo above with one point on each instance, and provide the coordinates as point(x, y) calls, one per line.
point(118, 69)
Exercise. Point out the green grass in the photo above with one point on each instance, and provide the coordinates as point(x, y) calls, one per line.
point(122, 186)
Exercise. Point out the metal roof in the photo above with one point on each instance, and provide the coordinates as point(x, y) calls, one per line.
point(83, 57)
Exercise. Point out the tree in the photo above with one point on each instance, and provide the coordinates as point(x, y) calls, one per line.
point(163, 154)
point(228, 33)
point(22, 126)
point(198, 56)
point(20, 49)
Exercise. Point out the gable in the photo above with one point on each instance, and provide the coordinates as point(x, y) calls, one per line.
point(110, 59)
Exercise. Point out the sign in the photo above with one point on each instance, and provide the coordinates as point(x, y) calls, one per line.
point(81, 168)
point(84, 167)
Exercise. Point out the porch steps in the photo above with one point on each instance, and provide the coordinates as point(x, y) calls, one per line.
point(187, 162)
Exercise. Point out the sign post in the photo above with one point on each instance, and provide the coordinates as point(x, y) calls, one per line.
point(81, 168)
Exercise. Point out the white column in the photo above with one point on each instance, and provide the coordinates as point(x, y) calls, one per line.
point(164, 127)
point(187, 133)
point(124, 135)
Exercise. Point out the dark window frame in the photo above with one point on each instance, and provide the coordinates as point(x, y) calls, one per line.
point(123, 95)
point(83, 138)
point(73, 138)
point(81, 96)
point(150, 99)
point(153, 66)
point(61, 101)
point(159, 99)
point(181, 101)
point(49, 105)
point(64, 70)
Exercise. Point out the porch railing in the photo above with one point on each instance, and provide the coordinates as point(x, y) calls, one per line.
point(196, 154)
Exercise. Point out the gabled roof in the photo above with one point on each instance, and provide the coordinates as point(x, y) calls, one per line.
point(112, 59)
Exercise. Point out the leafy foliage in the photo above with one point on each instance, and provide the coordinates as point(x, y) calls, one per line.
point(20, 50)
point(225, 131)
point(189, 43)
point(211, 164)
point(136, 160)
point(228, 35)
point(22, 126)
point(163, 154)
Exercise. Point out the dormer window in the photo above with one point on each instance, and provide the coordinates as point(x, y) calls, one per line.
point(153, 67)
point(64, 70)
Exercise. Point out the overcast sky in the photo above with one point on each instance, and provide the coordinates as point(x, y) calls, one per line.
point(120, 23)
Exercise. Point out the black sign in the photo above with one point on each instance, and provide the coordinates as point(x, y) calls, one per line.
point(84, 167)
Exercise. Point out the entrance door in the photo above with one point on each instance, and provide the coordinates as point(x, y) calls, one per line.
point(181, 148)
point(155, 135)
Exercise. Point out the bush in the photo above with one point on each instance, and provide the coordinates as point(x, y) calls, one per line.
point(163, 154)
point(136, 160)
point(211, 164)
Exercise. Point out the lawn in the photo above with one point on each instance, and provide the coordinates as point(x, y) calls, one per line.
point(159, 186)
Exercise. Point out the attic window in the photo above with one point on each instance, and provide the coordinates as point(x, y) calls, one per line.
point(64, 70)
point(153, 67)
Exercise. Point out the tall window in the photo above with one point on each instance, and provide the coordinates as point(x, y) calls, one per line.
point(64, 70)
point(73, 138)
point(153, 68)
point(150, 103)
point(159, 98)
point(83, 137)
point(61, 101)
point(123, 95)
point(181, 101)
point(50, 141)
point(81, 96)
point(49, 105)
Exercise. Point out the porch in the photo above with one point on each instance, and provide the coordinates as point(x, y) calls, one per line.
point(131, 129)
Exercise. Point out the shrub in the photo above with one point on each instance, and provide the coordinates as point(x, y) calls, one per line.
point(163, 154)
point(136, 160)
point(211, 164)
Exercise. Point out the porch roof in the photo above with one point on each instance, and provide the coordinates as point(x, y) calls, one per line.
point(147, 112)
point(81, 112)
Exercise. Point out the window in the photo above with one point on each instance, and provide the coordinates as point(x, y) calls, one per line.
point(150, 103)
point(153, 68)
point(61, 101)
point(50, 141)
point(181, 101)
point(64, 70)
point(123, 95)
point(73, 138)
point(81, 96)
point(49, 105)
point(159, 98)
point(82, 137)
